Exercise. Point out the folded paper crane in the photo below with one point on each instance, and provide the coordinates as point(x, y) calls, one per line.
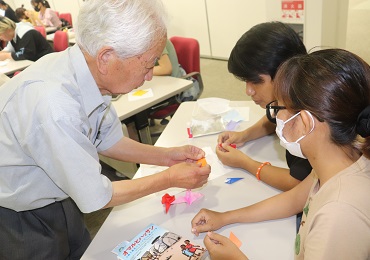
point(232, 180)
point(189, 197)
point(167, 200)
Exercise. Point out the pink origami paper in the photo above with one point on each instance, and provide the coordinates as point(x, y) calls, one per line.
point(189, 197)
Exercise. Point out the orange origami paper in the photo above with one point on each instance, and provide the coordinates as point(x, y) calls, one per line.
point(235, 240)
point(202, 161)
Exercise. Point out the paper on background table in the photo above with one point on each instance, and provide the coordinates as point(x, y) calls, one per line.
point(214, 106)
point(4, 62)
point(135, 95)
point(234, 115)
point(205, 123)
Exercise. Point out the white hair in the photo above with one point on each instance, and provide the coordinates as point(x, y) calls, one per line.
point(128, 26)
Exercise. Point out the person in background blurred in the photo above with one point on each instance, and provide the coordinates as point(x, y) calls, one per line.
point(167, 64)
point(29, 16)
point(8, 11)
point(24, 42)
point(47, 16)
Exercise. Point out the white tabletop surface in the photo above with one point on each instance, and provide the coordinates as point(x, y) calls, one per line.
point(10, 66)
point(71, 36)
point(50, 29)
point(163, 88)
point(265, 240)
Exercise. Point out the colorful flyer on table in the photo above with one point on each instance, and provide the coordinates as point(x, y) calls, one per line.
point(155, 242)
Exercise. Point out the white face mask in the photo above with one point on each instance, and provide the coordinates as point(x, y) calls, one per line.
point(293, 147)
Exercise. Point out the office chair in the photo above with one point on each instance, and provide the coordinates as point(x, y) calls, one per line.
point(60, 41)
point(41, 29)
point(188, 54)
point(67, 17)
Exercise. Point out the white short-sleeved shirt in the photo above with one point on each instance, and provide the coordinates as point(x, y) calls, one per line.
point(53, 123)
point(336, 219)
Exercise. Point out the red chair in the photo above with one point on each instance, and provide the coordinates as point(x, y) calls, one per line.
point(67, 17)
point(41, 29)
point(60, 41)
point(188, 54)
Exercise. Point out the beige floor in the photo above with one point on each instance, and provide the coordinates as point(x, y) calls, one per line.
point(219, 83)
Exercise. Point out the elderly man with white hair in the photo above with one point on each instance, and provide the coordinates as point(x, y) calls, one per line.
point(56, 118)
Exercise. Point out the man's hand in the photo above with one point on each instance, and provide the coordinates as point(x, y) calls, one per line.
point(187, 153)
point(188, 175)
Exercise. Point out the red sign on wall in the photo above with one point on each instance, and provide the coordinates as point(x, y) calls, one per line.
point(292, 10)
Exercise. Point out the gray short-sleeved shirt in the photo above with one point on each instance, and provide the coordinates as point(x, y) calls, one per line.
point(53, 123)
point(171, 52)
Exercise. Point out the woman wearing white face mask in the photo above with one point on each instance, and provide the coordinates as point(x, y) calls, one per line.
point(293, 147)
point(322, 113)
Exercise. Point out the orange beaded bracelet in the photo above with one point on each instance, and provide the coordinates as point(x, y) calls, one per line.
point(260, 168)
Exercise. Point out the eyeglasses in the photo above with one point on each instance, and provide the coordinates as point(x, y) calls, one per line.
point(149, 64)
point(272, 109)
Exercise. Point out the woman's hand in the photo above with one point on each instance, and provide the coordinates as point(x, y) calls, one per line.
point(221, 248)
point(206, 220)
point(230, 156)
point(230, 137)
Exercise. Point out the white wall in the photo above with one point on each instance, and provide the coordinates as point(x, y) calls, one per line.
point(188, 18)
point(223, 23)
point(227, 21)
point(218, 24)
point(326, 23)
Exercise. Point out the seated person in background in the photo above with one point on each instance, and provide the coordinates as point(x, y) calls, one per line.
point(29, 16)
point(255, 60)
point(47, 16)
point(24, 42)
point(9, 12)
point(315, 94)
point(168, 65)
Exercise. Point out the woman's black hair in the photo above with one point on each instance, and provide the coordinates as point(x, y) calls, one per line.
point(262, 49)
point(334, 85)
point(43, 2)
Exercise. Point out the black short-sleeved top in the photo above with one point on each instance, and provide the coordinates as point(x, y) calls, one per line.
point(299, 168)
point(9, 12)
point(31, 46)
